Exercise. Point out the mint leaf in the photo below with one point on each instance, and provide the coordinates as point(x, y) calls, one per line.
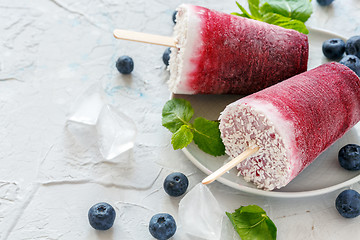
point(182, 137)
point(290, 14)
point(252, 223)
point(176, 113)
point(176, 116)
point(285, 22)
point(244, 12)
point(295, 9)
point(207, 136)
point(239, 14)
point(255, 8)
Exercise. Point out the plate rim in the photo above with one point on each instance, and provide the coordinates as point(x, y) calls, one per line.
point(274, 194)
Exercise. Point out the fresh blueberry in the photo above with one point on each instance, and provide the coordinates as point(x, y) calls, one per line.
point(174, 16)
point(101, 216)
point(333, 48)
point(348, 203)
point(349, 157)
point(162, 226)
point(175, 184)
point(166, 56)
point(125, 64)
point(352, 46)
point(325, 2)
point(352, 62)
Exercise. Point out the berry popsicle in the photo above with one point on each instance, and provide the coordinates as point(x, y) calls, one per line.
point(291, 122)
point(219, 53)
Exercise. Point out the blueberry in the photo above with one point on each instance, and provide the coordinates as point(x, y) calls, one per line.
point(333, 48)
point(166, 56)
point(176, 184)
point(349, 157)
point(352, 62)
point(352, 46)
point(162, 226)
point(348, 203)
point(101, 216)
point(125, 64)
point(325, 2)
point(174, 16)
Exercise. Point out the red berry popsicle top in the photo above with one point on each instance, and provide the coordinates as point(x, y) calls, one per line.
point(241, 56)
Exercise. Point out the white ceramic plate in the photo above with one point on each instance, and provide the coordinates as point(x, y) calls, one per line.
point(322, 176)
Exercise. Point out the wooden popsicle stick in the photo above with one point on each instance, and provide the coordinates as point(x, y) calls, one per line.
point(144, 38)
point(215, 175)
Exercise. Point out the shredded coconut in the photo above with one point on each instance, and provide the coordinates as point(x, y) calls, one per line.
point(242, 127)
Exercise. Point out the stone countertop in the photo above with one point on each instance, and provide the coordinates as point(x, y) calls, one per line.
point(51, 52)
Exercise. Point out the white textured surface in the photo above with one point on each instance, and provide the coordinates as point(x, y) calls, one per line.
point(51, 52)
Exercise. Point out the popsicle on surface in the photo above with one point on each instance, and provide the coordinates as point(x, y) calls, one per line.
point(291, 122)
point(219, 53)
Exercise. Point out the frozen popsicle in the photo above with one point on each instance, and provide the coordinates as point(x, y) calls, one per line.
point(219, 53)
point(291, 122)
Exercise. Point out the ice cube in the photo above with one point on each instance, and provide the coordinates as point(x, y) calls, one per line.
point(200, 214)
point(93, 122)
point(84, 134)
point(228, 232)
point(115, 132)
point(87, 107)
point(84, 115)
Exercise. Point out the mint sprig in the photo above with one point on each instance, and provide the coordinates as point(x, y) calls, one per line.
point(176, 116)
point(295, 9)
point(251, 222)
point(290, 14)
point(284, 22)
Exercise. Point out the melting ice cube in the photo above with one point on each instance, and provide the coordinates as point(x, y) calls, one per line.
point(87, 107)
point(84, 115)
point(200, 214)
point(116, 132)
point(88, 110)
point(92, 121)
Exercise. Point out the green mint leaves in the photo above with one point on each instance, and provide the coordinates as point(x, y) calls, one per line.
point(207, 136)
point(252, 223)
point(176, 113)
point(294, 9)
point(291, 14)
point(176, 116)
point(182, 137)
point(288, 23)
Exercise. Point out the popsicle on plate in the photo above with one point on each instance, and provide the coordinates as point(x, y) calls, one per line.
point(219, 53)
point(291, 122)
